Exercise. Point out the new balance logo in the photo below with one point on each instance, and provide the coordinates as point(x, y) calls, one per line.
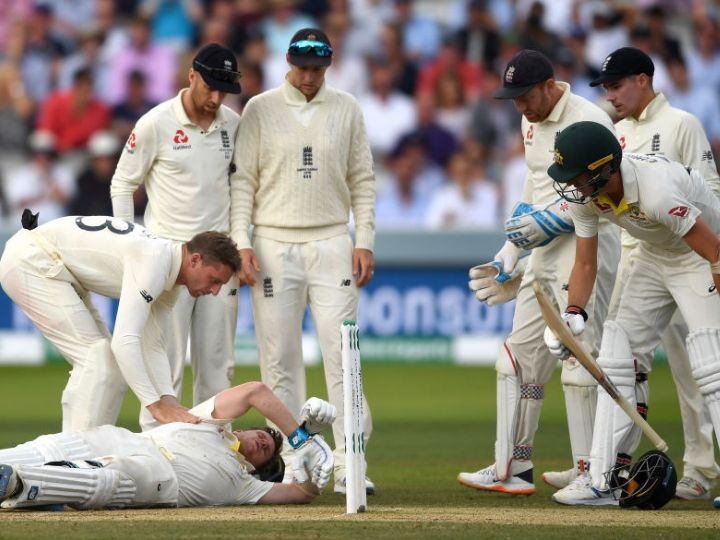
point(711, 288)
point(146, 296)
point(345, 283)
point(268, 288)
point(232, 292)
point(707, 156)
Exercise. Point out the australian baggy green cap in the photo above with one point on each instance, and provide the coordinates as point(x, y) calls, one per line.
point(583, 146)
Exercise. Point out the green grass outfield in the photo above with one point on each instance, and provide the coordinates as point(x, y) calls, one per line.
point(431, 421)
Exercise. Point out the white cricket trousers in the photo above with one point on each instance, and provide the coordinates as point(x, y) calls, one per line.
point(41, 286)
point(699, 455)
point(292, 276)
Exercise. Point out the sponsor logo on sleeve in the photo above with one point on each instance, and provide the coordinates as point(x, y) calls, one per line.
point(131, 143)
point(679, 211)
point(146, 296)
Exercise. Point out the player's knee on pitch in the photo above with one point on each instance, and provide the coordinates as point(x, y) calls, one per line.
point(154, 478)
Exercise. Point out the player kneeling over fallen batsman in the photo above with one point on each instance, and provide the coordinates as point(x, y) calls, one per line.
point(178, 464)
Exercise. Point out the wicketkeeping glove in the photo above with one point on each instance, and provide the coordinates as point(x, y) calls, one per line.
point(316, 414)
point(574, 317)
point(313, 460)
point(492, 285)
point(531, 226)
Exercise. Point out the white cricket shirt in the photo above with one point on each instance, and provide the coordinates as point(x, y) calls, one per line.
point(661, 203)
point(122, 260)
point(185, 169)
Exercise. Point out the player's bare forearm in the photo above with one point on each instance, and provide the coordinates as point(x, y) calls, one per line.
point(293, 493)
point(582, 277)
point(249, 266)
point(703, 241)
point(363, 264)
point(236, 401)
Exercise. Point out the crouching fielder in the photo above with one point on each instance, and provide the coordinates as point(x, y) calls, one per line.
point(178, 464)
point(673, 211)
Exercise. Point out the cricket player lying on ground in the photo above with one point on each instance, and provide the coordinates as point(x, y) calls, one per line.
point(177, 464)
point(671, 209)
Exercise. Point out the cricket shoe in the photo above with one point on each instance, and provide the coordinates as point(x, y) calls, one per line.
point(690, 489)
point(518, 483)
point(580, 492)
point(559, 479)
point(9, 482)
point(340, 486)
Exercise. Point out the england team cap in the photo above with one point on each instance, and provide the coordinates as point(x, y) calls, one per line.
point(524, 70)
point(218, 67)
point(622, 63)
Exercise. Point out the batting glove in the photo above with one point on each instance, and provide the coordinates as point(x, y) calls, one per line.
point(314, 461)
point(575, 318)
point(531, 226)
point(316, 414)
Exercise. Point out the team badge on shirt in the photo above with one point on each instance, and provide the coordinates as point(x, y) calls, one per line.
point(634, 213)
point(307, 163)
point(131, 143)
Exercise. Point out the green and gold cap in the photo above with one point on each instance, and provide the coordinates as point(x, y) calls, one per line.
point(583, 146)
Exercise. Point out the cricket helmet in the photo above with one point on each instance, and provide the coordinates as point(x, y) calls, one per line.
point(649, 483)
point(584, 147)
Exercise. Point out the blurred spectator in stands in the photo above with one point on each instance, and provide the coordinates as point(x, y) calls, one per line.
point(453, 110)
point(115, 37)
point(406, 72)
point(701, 101)
point(567, 69)
point(173, 22)
point(42, 53)
point(12, 14)
point(605, 33)
point(557, 15)
point(125, 115)
point(157, 62)
point(640, 38)
point(281, 23)
point(16, 109)
point(514, 174)
point(388, 113)
point(274, 68)
point(493, 124)
point(421, 34)
point(439, 143)
point(534, 32)
point(246, 16)
point(662, 43)
point(92, 193)
point(402, 203)
point(71, 19)
point(252, 81)
point(368, 19)
point(703, 60)
point(348, 71)
point(451, 61)
point(73, 115)
point(42, 185)
point(479, 40)
point(87, 55)
point(468, 200)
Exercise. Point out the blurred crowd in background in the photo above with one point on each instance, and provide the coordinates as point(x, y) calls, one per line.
point(75, 75)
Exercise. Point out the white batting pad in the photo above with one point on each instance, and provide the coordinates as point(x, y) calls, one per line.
point(611, 422)
point(703, 347)
point(508, 399)
point(81, 488)
point(58, 447)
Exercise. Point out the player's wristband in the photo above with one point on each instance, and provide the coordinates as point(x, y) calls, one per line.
point(298, 437)
point(577, 310)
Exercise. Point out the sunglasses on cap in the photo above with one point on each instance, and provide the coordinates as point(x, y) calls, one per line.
point(223, 75)
point(318, 48)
